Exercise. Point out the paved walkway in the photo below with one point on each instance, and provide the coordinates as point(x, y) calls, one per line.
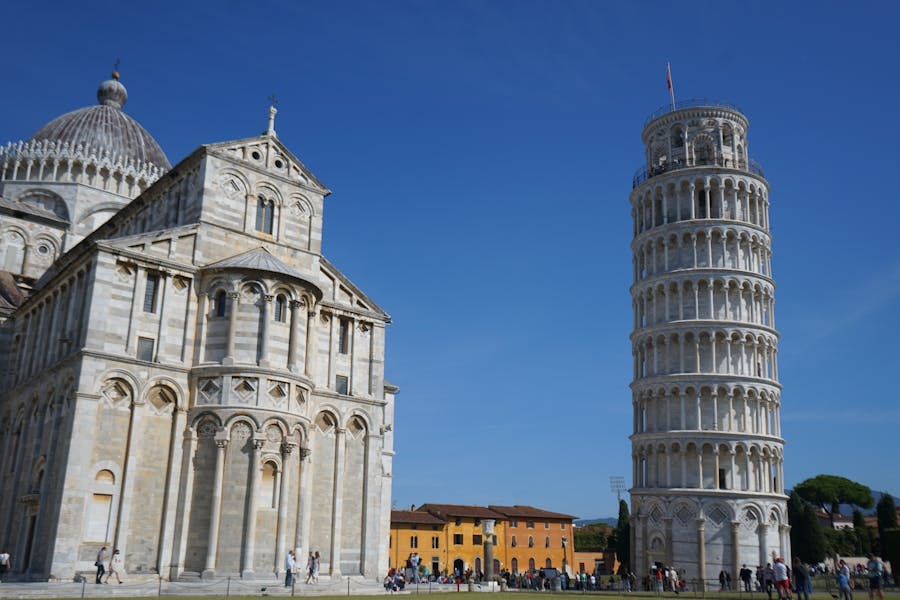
point(220, 587)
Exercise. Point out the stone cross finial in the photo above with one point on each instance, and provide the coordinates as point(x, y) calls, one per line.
point(272, 112)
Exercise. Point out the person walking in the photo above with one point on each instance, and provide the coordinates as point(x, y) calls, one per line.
point(289, 565)
point(116, 566)
point(745, 577)
point(100, 563)
point(310, 566)
point(801, 578)
point(316, 559)
point(782, 581)
point(768, 579)
point(843, 581)
point(4, 564)
point(875, 572)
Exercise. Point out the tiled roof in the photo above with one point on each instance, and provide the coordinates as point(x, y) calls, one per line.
point(415, 517)
point(529, 512)
point(461, 510)
point(258, 259)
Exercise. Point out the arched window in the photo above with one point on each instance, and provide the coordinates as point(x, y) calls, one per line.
point(265, 214)
point(548, 563)
point(531, 564)
point(220, 303)
point(547, 542)
point(267, 495)
point(514, 565)
point(280, 305)
point(531, 541)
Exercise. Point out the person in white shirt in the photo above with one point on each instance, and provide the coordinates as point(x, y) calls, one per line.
point(782, 582)
point(290, 565)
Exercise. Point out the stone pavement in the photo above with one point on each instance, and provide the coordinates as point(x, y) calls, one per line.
point(221, 587)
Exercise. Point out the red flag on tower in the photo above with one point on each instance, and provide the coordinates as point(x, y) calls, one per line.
point(669, 84)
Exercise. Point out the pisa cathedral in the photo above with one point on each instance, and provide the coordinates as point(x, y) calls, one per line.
point(183, 375)
point(708, 486)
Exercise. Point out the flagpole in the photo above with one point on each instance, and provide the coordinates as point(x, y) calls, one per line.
point(669, 84)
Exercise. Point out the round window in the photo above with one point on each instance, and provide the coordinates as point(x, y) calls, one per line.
point(278, 164)
point(255, 155)
point(43, 249)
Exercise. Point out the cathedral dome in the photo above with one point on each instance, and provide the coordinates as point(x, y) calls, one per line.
point(105, 129)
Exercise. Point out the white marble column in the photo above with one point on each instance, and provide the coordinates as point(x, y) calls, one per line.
point(130, 472)
point(311, 343)
point(164, 555)
point(165, 281)
point(233, 308)
point(284, 486)
point(215, 513)
point(701, 552)
point(338, 507)
point(185, 501)
point(263, 359)
point(294, 340)
point(304, 504)
point(252, 503)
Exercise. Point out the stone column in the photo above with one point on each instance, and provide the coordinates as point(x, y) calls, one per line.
point(185, 500)
point(701, 552)
point(252, 502)
point(286, 465)
point(138, 291)
point(162, 303)
point(332, 350)
point(263, 360)
point(487, 530)
point(304, 505)
point(784, 541)
point(763, 537)
point(202, 325)
point(670, 546)
point(735, 551)
point(637, 526)
point(311, 345)
point(234, 307)
point(338, 508)
point(120, 539)
point(164, 556)
point(215, 513)
point(294, 336)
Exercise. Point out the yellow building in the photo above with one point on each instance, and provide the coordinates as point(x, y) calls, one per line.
point(417, 531)
point(449, 538)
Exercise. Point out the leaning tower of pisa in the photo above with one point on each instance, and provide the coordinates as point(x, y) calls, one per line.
point(708, 489)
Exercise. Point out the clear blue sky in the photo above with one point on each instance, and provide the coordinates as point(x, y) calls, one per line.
point(481, 154)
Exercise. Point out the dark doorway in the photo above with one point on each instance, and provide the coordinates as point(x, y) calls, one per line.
point(458, 567)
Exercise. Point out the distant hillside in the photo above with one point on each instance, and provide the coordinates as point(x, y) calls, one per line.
point(606, 521)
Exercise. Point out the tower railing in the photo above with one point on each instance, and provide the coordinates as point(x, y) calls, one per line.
point(692, 103)
point(644, 173)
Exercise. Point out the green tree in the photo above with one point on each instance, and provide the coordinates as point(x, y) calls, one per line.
point(840, 541)
point(623, 536)
point(807, 537)
point(886, 511)
point(890, 544)
point(861, 532)
point(830, 491)
point(590, 538)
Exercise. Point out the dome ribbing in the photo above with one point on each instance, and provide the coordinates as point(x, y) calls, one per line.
point(107, 128)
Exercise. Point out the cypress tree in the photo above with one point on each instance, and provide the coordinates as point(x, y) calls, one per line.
point(623, 536)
